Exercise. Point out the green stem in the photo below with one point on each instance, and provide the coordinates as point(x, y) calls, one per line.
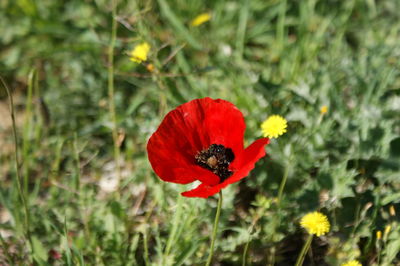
point(304, 251)
point(214, 234)
point(163, 98)
point(379, 253)
point(175, 224)
point(280, 26)
point(241, 32)
point(282, 185)
point(111, 87)
point(78, 165)
point(146, 248)
point(246, 248)
point(271, 261)
point(16, 156)
point(32, 77)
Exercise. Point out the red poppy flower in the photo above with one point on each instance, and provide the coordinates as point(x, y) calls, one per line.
point(203, 140)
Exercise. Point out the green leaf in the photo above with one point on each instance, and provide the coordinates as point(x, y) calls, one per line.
point(177, 24)
point(39, 251)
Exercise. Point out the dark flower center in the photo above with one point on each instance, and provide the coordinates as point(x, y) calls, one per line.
point(216, 159)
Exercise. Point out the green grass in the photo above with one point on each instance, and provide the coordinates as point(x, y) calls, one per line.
point(267, 57)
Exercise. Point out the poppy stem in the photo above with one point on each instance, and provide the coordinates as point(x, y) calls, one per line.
point(214, 233)
point(304, 251)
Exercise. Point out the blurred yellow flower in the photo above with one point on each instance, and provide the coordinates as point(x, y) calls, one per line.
point(323, 110)
point(392, 211)
point(274, 126)
point(379, 235)
point(387, 230)
point(200, 19)
point(150, 67)
point(140, 52)
point(315, 223)
point(352, 263)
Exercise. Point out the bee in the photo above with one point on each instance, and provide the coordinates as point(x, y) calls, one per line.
point(212, 162)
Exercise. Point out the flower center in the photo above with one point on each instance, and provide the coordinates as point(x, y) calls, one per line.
point(216, 159)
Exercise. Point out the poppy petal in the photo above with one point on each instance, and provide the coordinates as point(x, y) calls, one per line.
point(224, 123)
point(245, 164)
point(171, 166)
point(187, 130)
point(246, 161)
point(202, 191)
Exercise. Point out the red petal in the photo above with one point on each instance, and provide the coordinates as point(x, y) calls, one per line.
point(244, 164)
point(188, 129)
point(173, 166)
point(225, 125)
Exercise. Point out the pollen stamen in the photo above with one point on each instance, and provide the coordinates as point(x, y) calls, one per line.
point(216, 159)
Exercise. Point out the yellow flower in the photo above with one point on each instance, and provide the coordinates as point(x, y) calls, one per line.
point(274, 126)
point(323, 110)
point(200, 19)
point(379, 235)
point(352, 263)
point(140, 52)
point(387, 229)
point(315, 223)
point(392, 211)
point(150, 67)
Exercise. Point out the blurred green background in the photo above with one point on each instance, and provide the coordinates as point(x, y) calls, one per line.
point(267, 57)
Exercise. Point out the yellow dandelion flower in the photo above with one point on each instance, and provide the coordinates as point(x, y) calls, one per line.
point(315, 223)
point(352, 263)
point(274, 126)
point(379, 235)
point(140, 52)
point(200, 19)
point(323, 110)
